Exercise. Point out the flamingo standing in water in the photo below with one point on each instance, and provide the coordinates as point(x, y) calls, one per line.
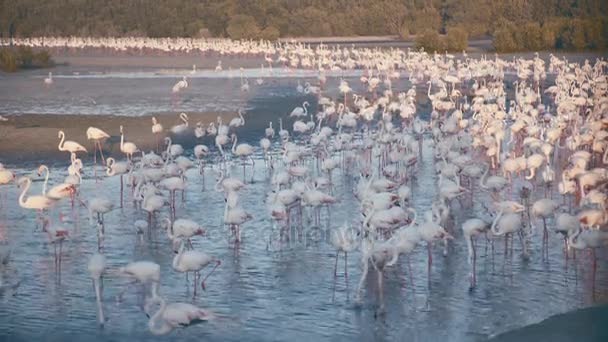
point(57, 192)
point(96, 267)
point(36, 202)
point(143, 272)
point(69, 145)
point(243, 151)
point(472, 228)
point(157, 130)
point(177, 88)
point(344, 240)
point(6, 176)
point(48, 81)
point(118, 168)
point(128, 148)
point(181, 128)
point(97, 135)
point(55, 235)
point(194, 261)
point(200, 152)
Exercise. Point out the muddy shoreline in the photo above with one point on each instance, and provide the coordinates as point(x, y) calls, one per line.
point(32, 138)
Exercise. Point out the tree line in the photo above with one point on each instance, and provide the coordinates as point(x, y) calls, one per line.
point(438, 24)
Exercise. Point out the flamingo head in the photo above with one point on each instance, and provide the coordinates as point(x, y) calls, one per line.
point(200, 231)
point(62, 233)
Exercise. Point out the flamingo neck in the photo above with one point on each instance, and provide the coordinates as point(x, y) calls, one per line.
point(61, 141)
point(25, 189)
point(234, 144)
point(154, 320)
point(46, 180)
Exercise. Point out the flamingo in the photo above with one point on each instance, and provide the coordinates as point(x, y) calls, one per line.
point(588, 239)
point(175, 315)
point(181, 128)
point(344, 240)
point(128, 148)
point(118, 168)
point(96, 267)
point(544, 208)
point(69, 145)
point(143, 272)
point(56, 235)
point(32, 202)
point(300, 111)
point(472, 228)
point(243, 151)
point(58, 191)
point(97, 135)
point(238, 122)
point(157, 130)
point(48, 81)
point(182, 229)
point(269, 131)
point(507, 224)
point(178, 87)
point(194, 261)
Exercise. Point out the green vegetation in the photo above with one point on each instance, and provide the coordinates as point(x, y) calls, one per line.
point(13, 59)
point(514, 24)
point(455, 40)
point(568, 34)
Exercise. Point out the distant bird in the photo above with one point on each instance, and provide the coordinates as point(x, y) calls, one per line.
point(179, 86)
point(48, 81)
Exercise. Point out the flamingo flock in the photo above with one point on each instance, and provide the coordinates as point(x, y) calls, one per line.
point(503, 153)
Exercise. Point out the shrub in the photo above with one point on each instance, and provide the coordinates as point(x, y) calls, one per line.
point(404, 32)
point(269, 33)
point(8, 60)
point(531, 36)
point(242, 27)
point(12, 60)
point(548, 36)
point(456, 39)
point(430, 41)
point(503, 41)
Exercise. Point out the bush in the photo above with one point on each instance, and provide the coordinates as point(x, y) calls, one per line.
point(269, 33)
point(8, 60)
point(430, 41)
point(531, 37)
point(503, 41)
point(12, 60)
point(243, 27)
point(404, 32)
point(456, 39)
point(548, 36)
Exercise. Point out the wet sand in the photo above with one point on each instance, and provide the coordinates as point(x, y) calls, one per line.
point(31, 138)
point(587, 324)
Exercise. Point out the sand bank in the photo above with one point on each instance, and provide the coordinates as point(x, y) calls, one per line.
point(32, 138)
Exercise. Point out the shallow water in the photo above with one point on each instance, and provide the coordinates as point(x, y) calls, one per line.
point(270, 290)
point(265, 289)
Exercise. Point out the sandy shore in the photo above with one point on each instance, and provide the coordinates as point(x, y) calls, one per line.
point(32, 138)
